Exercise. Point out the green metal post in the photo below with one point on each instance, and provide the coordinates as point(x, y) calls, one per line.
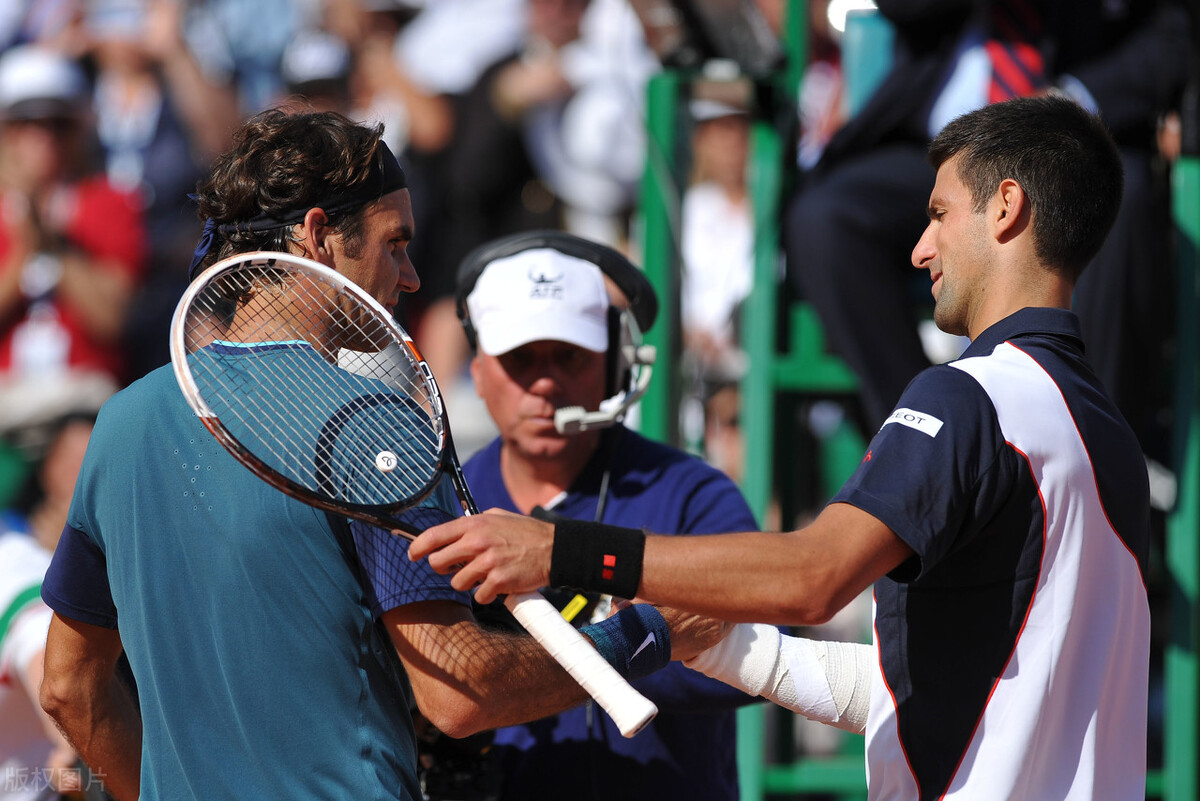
point(759, 315)
point(660, 256)
point(1181, 667)
point(795, 45)
point(758, 396)
point(751, 750)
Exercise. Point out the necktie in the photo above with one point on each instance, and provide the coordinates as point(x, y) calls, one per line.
point(1017, 67)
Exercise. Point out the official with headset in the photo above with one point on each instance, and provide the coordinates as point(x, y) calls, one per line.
point(555, 323)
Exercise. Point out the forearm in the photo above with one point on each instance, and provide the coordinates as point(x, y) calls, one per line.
point(467, 679)
point(829, 682)
point(752, 576)
point(106, 732)
point(62, 758)
point(798, 578)
point(431, 117)
point(12, 299)
point(82, 693)
point(511, 678)
point(210, 110)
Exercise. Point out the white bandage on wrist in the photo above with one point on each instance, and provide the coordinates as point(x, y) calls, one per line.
point(845, 670)
point(748, 658)
point(826, 681)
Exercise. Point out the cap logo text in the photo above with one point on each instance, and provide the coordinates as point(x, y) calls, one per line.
point(545, 287)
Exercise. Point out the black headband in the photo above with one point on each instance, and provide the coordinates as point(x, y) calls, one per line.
point(386, 177)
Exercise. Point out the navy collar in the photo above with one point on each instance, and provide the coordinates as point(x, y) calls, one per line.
point(1030, 320)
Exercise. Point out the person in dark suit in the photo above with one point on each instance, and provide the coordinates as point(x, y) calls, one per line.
point(855, 214)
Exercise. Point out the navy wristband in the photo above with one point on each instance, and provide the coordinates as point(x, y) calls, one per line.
point(635, 641)
point(597, 557)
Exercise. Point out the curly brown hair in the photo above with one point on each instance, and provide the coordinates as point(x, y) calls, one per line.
point(282, 163)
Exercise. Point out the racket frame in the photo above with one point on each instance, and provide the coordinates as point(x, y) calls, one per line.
point(378, 515)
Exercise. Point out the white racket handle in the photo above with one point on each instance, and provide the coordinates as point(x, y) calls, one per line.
point(628, 708)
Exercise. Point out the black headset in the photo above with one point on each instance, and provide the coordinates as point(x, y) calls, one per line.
point(624, 326)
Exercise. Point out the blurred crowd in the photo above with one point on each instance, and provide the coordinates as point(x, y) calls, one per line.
point(508, 114)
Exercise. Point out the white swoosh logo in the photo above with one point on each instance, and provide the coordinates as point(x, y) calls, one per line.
point(650, 640)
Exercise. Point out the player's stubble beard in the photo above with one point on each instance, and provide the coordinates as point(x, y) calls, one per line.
point(963, 281)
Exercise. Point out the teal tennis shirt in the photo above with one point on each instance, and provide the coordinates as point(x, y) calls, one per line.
point(259, 670)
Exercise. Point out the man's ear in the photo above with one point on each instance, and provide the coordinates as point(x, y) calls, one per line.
point(474, 370)
point(1010, 210)
point(314, 235)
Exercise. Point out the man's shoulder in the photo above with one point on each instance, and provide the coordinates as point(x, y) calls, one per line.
point(149, 389)
point(641, 452)
point(482, 472)
point(664, 471)
point(481, 460)
point(945, 385)
point(135, 407)
point(949, 406)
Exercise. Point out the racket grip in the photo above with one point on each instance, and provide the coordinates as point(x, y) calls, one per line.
point(628, 708)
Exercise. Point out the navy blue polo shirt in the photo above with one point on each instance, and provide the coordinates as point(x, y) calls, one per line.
point(689, 749)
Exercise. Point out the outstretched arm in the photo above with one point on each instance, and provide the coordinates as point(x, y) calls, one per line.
point(799, 578)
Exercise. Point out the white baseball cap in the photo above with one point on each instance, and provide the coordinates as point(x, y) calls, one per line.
point(36, 82)
point(539, 294)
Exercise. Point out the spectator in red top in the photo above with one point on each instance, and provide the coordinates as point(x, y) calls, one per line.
point(71, 246)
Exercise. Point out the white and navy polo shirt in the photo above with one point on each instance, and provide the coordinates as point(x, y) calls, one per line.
point(1014, 647)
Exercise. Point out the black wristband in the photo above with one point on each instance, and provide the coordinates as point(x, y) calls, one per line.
point(597, 557)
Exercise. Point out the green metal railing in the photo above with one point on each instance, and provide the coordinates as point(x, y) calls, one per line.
point(1181, 759)
point(659, 213)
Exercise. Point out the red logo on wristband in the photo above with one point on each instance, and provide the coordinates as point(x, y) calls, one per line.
point(610, 561)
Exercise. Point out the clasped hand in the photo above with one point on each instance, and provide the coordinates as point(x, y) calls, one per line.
point(499, 553)
point(494, 553)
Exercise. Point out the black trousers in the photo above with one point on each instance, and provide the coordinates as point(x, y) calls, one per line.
point(848, 242)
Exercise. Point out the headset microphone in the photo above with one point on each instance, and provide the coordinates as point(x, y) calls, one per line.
point(575, 419)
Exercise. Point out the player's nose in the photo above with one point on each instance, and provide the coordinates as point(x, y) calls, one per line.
point(924, 252)
point(408, 280)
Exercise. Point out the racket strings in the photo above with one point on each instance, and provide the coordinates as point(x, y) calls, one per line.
point(308, 380)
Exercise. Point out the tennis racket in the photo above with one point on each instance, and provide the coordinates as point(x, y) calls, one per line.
point(309, 382)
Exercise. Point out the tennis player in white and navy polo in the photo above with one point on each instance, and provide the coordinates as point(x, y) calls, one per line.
point(1016, 435)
